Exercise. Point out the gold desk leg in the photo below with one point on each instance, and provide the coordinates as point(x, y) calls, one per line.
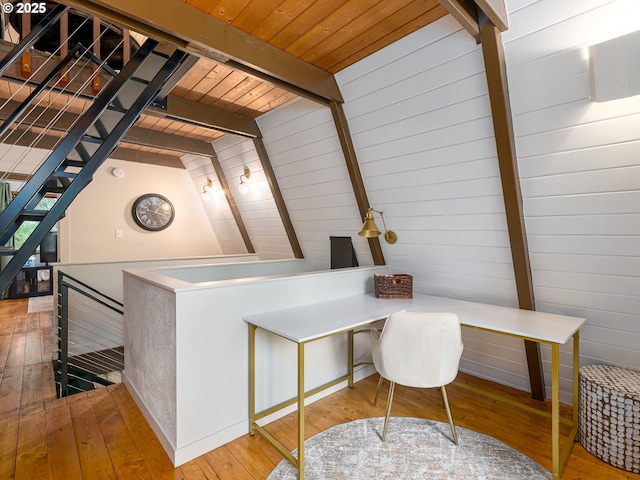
point(555, 410)
point(252, 378)
point(301, 411)
point(350, 334)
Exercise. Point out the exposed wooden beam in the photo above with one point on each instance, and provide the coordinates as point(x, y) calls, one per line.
point(496, 11)
point(208, 116)
point(496, 72)
point(42, 117)
point(465, 12)
point(196, 32)
point(277, 197)
point(49, 142)
point(349, 152)
point(231, 201)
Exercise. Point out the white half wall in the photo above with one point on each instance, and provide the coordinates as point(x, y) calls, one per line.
point(187, 358)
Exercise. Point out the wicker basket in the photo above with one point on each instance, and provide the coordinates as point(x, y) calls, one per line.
point(393, 286)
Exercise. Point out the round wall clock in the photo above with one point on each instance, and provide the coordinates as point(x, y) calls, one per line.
point(153, 212)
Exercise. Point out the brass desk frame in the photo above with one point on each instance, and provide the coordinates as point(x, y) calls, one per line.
point(254, 416)
point(559, 457)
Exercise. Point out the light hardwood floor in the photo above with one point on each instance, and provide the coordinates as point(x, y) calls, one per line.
point(103, 435)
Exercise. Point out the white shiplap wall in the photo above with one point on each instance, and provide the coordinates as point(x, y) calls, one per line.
point(257, 208)
point(307, 159)
point(420, 120)
point(217, 208)
point(580, 171)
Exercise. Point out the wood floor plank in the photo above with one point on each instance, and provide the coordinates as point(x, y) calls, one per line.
point(31, 397)
point(113, 440)
point(125, 456)
point(61, 444)
point(251, 455)
point(197, 469)
point(8, 446)
point(156, 460)
point(31, 454)
point(33, 348)
point(226, 465)
point(95, 461)
point(15, 357)
point(10, 390)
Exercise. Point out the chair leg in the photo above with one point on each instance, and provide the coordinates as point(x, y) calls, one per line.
point(386, 418)
point(445, 400)
point(375, 400)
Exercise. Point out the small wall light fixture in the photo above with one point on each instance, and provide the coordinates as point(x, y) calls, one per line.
point(370, 229)
point(243, 188)
point(206, 196)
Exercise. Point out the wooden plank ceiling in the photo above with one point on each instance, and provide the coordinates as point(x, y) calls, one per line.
point(329, 34)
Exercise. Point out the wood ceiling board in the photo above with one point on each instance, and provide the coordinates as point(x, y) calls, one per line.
point(300, 25)
point(408, 28)
point(192, 77)
point(279, 18)
point(340, 20)
point(209, 37)
point(252, 16)
point(228, 10)
point(381, 18)
point(208, 82)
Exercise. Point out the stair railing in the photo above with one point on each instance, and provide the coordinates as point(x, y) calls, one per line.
point(90, 337)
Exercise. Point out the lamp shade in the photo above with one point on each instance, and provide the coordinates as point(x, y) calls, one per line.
point(369, 228)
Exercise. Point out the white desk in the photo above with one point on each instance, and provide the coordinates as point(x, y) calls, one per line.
point(314, 321)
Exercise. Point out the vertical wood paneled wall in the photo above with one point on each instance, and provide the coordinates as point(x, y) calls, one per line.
point(580, 168)
point(257, 208)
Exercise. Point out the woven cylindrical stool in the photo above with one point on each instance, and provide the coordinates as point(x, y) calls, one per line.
point(610, 415)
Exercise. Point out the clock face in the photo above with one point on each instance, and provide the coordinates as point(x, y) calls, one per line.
point(153, 212)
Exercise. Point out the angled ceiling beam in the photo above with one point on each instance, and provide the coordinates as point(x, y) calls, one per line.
point(277, 197)
point(496, 11)
point(208, 116)
point(193, 31)
point(496, 72)
point(233, 206)
point(466, 13)
point(357, 183)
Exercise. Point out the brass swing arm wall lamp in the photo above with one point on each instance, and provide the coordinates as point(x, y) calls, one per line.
point(370, 229)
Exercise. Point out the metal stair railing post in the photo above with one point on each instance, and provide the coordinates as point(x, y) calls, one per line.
point(65, 284)
point(63, 335)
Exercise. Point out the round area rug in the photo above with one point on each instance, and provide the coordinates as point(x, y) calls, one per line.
point(415, 449)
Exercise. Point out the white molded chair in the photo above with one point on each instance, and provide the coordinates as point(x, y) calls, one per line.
point(418, 350)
